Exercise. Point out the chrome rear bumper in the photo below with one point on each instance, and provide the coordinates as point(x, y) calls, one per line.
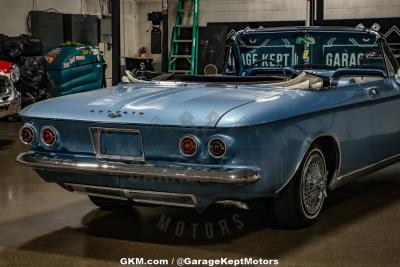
point(190, 173)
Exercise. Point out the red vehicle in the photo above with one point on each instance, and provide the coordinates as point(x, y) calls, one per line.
point(10, 101)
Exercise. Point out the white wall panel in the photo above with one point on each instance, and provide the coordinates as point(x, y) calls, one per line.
point(353, 9)
point(359, 3)
point(252, 10)
point(143, 27)
point(129, 15)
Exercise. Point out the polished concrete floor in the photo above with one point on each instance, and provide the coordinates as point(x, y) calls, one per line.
point(43, 225)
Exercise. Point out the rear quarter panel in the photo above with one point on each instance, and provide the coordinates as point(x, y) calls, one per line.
point(281, 129)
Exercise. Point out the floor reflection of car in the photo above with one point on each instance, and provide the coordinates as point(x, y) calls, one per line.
point(297, 113)
point(9, 97)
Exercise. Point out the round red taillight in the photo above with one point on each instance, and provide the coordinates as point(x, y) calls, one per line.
point(188, 146)
point(27, 135)
point(48, 136)
point(217, 147)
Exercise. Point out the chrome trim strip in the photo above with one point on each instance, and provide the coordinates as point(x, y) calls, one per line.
point(236, 176)
point(95, 133)
point(378, 165)
point(129, 194)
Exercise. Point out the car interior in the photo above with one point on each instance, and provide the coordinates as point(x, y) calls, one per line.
point(304, 81)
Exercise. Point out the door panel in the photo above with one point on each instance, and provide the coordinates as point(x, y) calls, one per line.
point(385, 113)
point(354, 127)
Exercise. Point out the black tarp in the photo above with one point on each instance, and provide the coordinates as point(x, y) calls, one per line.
point(23, 45)
point(35, 83)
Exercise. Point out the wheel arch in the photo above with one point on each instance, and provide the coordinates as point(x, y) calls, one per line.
point(331, 149)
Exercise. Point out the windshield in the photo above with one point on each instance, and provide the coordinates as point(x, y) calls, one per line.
point(322, 50)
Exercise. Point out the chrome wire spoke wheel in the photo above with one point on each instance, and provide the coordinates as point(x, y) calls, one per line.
point(313, 184)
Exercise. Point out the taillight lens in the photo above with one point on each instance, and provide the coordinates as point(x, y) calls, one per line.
point(48, 136)
point(27, 135)
point(217, 147)
point(188, 146)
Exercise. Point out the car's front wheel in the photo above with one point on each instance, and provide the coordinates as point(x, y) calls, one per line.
point(300, 203)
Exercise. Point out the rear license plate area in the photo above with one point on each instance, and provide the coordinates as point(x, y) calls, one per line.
point(118, 144)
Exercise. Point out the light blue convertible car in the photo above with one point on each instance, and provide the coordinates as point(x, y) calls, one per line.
point(297, 113)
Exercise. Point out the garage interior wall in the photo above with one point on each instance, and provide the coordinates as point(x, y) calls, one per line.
point(135, 29)
point(286, 10)
point(264, 10)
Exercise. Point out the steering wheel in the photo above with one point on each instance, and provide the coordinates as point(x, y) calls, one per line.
point(252, 67)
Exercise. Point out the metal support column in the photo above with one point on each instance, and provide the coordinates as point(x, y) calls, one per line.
point(116, 41)
point(312, 13)
point(165, 34)
point(320, 10)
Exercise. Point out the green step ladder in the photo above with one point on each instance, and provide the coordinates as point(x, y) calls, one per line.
point(190, 56)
